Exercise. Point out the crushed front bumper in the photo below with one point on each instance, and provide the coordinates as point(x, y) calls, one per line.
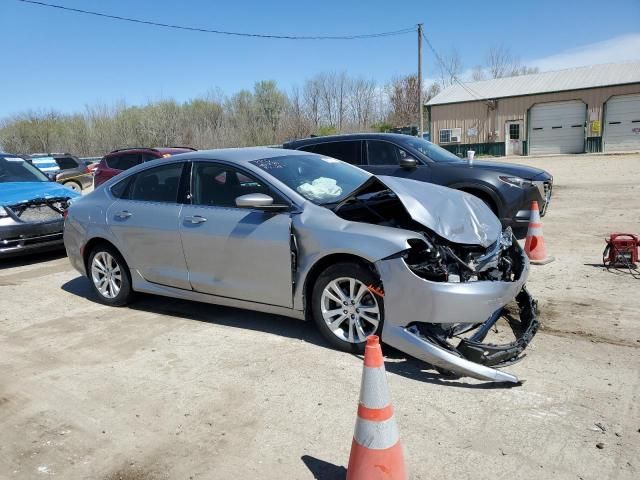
point(410, 299)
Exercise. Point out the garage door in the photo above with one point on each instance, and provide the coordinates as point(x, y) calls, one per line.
point(557, 128)
point(622, 124)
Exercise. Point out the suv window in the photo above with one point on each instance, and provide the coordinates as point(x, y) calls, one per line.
point(149, 156)
point(383, 153)
point(348, 151)
point(159, 184)
point(220, 185)
point(123, 161)
point(66, 163)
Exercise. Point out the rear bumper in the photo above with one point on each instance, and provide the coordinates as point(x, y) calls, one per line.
point(25, 238)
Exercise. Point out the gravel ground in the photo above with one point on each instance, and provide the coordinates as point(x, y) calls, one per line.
point(172, 389)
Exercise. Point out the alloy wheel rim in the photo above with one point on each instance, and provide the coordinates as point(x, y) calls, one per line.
point(350, 310)
point(106, 275)
point(73, 186)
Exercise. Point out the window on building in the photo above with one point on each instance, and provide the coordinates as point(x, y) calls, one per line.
point(450, 135)
point(514, 131)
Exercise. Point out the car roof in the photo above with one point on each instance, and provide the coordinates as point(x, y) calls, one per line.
point(161, 150)
point(346, 137)
point(53, 155)
point(244, 154)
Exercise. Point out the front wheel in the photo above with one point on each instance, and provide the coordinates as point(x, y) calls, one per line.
point(109, 276)
point(345, 309)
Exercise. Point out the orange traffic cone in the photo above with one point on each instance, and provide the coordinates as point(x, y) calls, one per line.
point(534, 244)
point(376, 452)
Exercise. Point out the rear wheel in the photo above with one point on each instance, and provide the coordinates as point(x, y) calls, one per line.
point(345, 310)
point(75, 186)
point(109, 276)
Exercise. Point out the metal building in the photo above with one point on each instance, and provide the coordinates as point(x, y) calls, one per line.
point(586, 109)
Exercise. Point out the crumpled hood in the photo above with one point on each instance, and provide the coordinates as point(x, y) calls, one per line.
point(456, 216)
point(12, 193)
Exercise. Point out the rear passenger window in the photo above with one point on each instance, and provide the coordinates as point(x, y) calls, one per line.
point(123, 161)
point(158, 184)
point(66, 163)
point(120, 189)
point(346, 151)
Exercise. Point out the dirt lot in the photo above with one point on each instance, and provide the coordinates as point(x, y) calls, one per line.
point(171, 389)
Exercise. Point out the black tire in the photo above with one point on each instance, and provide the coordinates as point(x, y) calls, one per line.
point(361, 274)
point(125, 293)
point(73, 185)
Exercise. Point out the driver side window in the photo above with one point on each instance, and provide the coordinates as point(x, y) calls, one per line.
point(217, 185)
point(384, 153)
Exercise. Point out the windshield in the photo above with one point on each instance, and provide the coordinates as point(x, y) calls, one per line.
point(433, 151)
point(320, 180)
point(15, 169)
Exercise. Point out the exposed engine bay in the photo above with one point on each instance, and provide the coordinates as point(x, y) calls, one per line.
point(437, 259)
point(40, 209)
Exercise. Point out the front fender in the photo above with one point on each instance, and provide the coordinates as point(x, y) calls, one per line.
point(319, 233)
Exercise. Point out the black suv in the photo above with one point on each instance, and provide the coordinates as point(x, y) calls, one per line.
point(506, 188)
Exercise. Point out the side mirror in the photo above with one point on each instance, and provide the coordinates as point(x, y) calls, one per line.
point(408, 162)
point(258, 201)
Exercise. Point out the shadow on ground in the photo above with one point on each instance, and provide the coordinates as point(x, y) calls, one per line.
point(322, 470)
point(399, 363)
point(32, 258)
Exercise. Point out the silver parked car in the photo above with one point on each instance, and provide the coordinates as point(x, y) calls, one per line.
point(307, 236)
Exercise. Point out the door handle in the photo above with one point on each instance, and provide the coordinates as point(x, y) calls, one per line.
point(195, 219)
point(123, 214)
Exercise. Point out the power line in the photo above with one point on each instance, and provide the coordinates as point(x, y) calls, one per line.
point(223, 32)
point(455, 78)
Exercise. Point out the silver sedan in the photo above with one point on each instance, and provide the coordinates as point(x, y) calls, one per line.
point(307, 236)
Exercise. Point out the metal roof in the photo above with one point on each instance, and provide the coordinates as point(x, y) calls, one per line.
point(545, 82)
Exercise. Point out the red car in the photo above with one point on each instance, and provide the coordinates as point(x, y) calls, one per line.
point(120, 160)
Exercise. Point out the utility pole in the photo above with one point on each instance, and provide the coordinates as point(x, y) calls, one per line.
point(420, 106)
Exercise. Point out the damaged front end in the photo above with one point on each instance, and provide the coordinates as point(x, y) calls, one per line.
point(438, 296)
point(445, 293)
point(34, 224)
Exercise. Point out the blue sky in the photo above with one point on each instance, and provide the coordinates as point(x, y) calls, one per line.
point(58, 60)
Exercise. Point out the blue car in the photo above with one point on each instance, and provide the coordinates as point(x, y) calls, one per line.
point(31, 208)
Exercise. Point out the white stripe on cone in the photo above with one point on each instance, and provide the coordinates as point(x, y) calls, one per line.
point(376, 435)
point(374, 390)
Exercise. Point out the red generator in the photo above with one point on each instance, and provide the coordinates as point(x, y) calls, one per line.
point(621, 250)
